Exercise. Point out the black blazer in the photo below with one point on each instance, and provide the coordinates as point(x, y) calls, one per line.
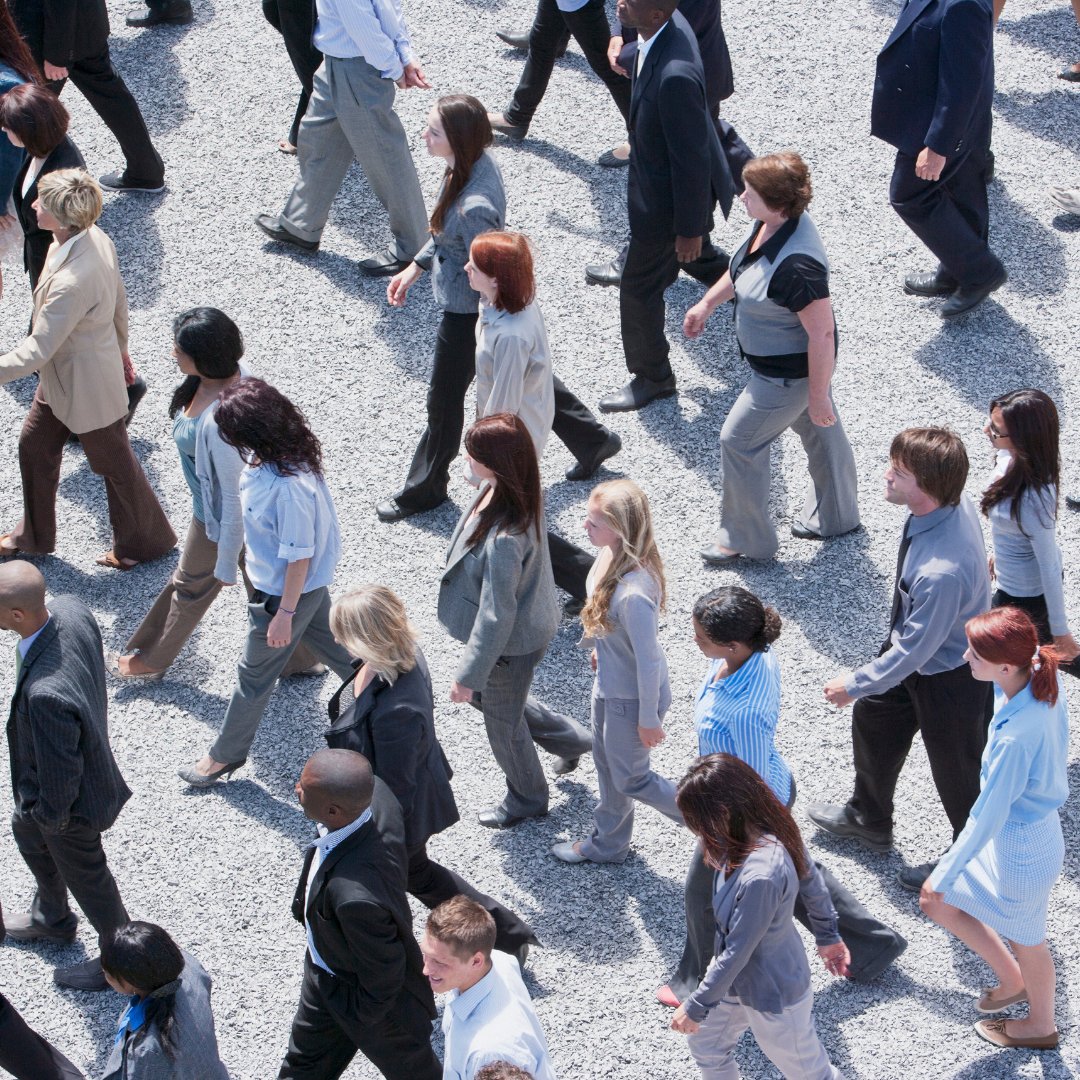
point(37, 240)
point(935, 78)
point(677, 168)
point(62, 31)
point(62, 767)
point(360, 919)
point(394, 728)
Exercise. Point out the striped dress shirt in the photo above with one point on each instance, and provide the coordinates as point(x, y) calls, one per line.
point(372, 29)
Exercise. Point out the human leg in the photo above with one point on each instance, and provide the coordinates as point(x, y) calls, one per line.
point(50, 907)
point(575, 425)
point(649, 270)
point(549, 26)
point(1040, 978)
point(570, 565)
point(319, 639)
point(25, 1054)
point(712, 1044)
point(556, 732)
point(700, 926)
point(79, 857)
point(832, 505)
point(790, 1041)
point(318, 1048)
point(41, 446)
point(591, 30)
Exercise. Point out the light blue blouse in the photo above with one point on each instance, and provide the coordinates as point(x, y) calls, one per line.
point(185, 433)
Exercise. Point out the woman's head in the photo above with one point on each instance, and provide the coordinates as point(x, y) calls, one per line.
point(501, 444)
point(458, 129)
point(141, 956)
point(35, 118)
point(210, 340)
point(504, 259)
point(1003, 642)
point(731, 615)
point(1026, 422)
point(728, 806)
point(371, 623)
point(782, 181)
point(267, 428)
point(71, 197)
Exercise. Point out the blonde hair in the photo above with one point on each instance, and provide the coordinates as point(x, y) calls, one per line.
point(370, 621)
point(625, 509)
point(72, 196)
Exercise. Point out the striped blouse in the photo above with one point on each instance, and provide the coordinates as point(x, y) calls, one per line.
point(738, 715)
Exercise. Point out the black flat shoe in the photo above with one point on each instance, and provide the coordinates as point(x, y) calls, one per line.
point(610, 161)
point(270, 226)
point(385, 265)
point(930, 284)
point(177, 12)
point(390, 510)
point(21, 926)
point(85, 976)
point(967, 297)
point(583, 470)
point(565, 765)
point(637, 393)
point(518, 40)
point(1069, 75)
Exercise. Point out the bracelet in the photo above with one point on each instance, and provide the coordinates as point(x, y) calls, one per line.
point(286, 611)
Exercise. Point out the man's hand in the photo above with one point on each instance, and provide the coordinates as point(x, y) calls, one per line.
point(460, 694)
point(687, 248)
point(411, 77)
point(614, 48)
point(928, 165)
point(54, 73)
point(836, 694)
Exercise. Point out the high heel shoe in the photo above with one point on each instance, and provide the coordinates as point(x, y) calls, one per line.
point(196, 779)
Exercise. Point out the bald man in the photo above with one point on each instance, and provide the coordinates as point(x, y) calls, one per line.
point(67, 787)
point(364, 986)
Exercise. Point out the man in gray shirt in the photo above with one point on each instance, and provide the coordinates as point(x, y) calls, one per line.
point(920, 680)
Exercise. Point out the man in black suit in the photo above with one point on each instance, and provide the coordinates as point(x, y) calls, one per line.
point(932, 101)
point(70, 40)
point(364, 986)
point(66, 785)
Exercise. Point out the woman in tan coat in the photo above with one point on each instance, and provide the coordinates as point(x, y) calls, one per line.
point(78, 345)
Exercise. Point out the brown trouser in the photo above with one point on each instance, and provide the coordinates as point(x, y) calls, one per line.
point(141, 531)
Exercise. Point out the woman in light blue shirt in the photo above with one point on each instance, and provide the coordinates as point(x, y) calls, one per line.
point(995, 881)
point(293, 546)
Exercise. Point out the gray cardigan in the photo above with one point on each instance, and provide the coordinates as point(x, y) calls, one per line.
point(497, 598)
point(218, 467)
point(480, 207)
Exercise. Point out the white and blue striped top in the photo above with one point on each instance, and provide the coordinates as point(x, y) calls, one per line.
point(737, 715)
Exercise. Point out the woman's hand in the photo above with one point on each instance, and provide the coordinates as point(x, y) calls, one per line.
point(613, 49)
point(1067, 645)
point(279, 632)
point(821, 412)
point(835, 957)
point(460, 694)
point(400, 284)
point(682, 1023)
point(651, 736)
point(695, 320)
point(990, 567)
point(592, 660)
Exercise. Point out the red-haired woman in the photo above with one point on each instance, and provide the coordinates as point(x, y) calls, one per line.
point(497, 597)
point(995, 881)
point(759, 977)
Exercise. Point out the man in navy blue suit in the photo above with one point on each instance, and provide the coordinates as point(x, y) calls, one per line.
point(932, 101)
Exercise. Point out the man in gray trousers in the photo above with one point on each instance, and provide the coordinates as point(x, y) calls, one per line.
point(351, 114)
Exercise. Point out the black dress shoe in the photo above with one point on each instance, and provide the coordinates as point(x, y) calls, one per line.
point(498, 818)
point(269, 225)
point(970, 296)
point(118, 180)
point(708, 269)
point(878, 963)
point(714, 556)
point(385, 264)
point(932, 283)
point(85, 976)
point(609, 273)
point(565, 765)
point(585, 469)
point(1069, 75)
point(1072, 502)
point(573, 607)
point(843, 821)
point(637, 393)
point(21, 926)
point(914, 877)
point(501, 126)
point(801, 532)
point(390, 510)
point(173, 11)
point(135, 393)
point(518, 40)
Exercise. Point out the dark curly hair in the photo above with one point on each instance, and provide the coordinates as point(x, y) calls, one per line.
point(267, 428)
point(731, 613)
point(215, 345)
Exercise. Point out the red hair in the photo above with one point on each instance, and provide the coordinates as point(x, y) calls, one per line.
point(1006, 635)
point(506, 257)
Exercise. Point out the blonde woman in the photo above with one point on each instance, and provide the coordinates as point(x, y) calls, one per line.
point(631, 692)
point(386, 712)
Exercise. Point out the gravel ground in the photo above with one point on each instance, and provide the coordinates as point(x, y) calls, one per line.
point(218, 868)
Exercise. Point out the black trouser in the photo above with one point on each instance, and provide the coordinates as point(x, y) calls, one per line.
point(431, 884)
point(650, 268)
point(589, 25)
point(328, 1029)
point(294, 20)
point(1035, 606)
point(951, 215)
point(25, 1054)
point(75, 860)
point(952, 710)
point(570, 565)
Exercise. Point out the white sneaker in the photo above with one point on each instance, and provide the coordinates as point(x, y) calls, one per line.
point(1067, 199)
point(566, 852)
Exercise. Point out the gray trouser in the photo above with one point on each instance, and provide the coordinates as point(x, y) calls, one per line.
point(789, 1040)
point(623, 775)
point(513, 721)
point(351, 114)
point(261, 666)
point(764, 410)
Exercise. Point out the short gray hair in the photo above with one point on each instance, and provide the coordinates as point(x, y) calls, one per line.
point(72, 196)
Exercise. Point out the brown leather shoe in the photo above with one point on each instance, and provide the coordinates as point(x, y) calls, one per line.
point(993, 1031)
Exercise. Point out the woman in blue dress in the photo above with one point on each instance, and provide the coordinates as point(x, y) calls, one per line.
point(995, 881)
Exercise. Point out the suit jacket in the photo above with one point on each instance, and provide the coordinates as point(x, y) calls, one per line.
point(498, 597)
point(62, 768)
point(393, 726)
point(677, 168)
point(935, 78)
point(78, 333)
point(62, 31)
point(359, 916)
point(36, 247)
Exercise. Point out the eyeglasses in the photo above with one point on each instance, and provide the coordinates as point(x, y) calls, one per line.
point(994, 433)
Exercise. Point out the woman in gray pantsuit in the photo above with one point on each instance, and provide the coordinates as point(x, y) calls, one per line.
point(779, 280)
point(497, 597)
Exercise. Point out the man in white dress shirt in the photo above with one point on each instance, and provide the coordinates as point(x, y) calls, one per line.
point(490, 1016)
point(367, 53)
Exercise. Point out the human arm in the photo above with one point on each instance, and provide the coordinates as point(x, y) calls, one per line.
point(375, 950)
point(1038, 519)
point(639, 615)
point(398, 286)
point(378, 30)
point(279, 632)
point(510, 354)
point(64, 308)
point(412, 77)
point(719, 293)
point(820, 912)
point(225, 467)
point(817, 321)
point(397, 729)
point(56, 731)
point(615, 46)
point(120, 316)
point(687, 129)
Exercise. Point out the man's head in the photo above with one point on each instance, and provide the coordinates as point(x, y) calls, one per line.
point(22, 598)
point(928, 468)
point(645, 15)
point(335, 787)
point(457, 945)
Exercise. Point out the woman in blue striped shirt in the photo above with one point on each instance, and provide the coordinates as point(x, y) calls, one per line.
point(737, 710)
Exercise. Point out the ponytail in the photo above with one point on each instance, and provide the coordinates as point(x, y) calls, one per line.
point(1044, 674)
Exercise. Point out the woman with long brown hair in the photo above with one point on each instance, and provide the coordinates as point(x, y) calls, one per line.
point(759, 978)
point(497, 597)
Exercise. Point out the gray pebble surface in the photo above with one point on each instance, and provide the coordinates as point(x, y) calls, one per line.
point(218, 868)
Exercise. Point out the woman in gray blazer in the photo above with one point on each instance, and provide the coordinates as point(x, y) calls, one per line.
point(497, 597)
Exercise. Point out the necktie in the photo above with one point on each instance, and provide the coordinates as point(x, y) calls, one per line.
point(18, 661)
point(905, 543)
